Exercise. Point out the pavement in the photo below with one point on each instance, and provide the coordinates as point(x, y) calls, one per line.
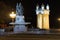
point(55, 31)
point(31, 35)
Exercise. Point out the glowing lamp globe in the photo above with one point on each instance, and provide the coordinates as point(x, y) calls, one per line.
point(12, 15)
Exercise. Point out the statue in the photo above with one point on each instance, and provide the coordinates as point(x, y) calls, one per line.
point(19, 21)
point(19, 24)
point(19, 9)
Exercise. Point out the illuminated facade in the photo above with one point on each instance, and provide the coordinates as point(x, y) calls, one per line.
point(42, 17)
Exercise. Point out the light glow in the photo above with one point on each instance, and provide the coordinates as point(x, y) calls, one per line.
point(42, 7)
point(37, 7)
point(12, 15)
point(58, 19)
point(47, 7)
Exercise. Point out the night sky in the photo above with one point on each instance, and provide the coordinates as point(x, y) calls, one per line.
point(7, 6)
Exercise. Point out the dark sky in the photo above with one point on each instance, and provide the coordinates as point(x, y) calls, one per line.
point(6, 7)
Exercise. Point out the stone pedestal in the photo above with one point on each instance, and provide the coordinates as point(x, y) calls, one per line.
point(20, 28)
point(20, 24)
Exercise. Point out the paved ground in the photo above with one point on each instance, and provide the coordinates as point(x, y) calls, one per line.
point(32, 35)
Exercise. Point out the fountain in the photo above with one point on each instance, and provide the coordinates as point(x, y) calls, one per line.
point(19, 25)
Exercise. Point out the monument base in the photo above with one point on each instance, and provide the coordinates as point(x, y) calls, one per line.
point(20, 28)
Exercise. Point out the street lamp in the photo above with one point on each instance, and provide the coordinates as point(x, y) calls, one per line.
point(12, 15)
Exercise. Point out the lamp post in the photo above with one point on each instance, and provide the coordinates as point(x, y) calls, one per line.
point(12, 15)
